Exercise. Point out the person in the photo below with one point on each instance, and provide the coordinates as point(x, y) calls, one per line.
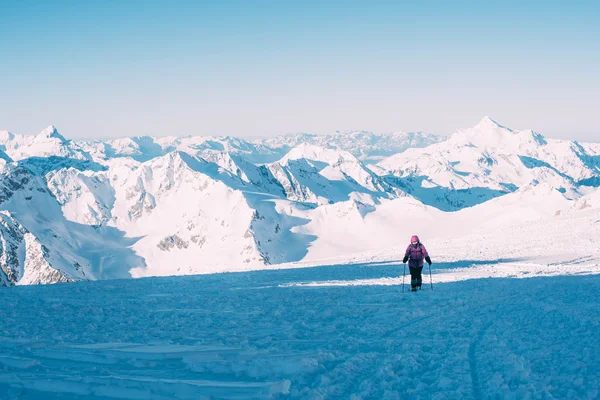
point(415, 254)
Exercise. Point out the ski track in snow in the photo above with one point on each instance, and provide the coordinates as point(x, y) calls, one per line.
point(473, 363)
point(260, 335)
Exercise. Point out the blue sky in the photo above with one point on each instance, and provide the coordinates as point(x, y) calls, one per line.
point(248, 68)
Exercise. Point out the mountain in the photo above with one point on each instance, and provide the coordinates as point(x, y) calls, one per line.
point(487, 161)
point(45, 144)
point(590, 201)
point(144, 206)
point(61, 243)
point(24, 259)
point(4, 157)
point(314, 174)
point(369, 147)
point(171, 215)
point(188, 215)
point(144, 148)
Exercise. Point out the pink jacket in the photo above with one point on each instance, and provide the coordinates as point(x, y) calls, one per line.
point(416, 254)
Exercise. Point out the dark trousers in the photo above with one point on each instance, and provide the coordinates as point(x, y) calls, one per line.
point(415, 276)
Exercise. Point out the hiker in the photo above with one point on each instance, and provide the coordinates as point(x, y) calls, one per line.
point(415, 254)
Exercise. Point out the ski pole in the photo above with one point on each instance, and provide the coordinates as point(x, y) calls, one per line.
point(430, 280)
point(403, 275)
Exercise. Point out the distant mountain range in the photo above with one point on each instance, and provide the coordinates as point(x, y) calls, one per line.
point(142, 206)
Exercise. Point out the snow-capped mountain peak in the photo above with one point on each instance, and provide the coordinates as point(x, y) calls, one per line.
point(47, 143)
point(318, 153)
point(487, 123)
point(366, 146)
point(51, 133)
point(323, 175)
point(493, 160)
point(155, 206)
point(487, 133)
point(6, 136)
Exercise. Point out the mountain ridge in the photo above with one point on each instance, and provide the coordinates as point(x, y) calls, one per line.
point(146, 206)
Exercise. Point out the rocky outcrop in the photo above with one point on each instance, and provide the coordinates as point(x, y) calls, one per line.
point(23, 258)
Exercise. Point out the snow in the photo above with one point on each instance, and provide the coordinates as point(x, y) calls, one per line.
point(493, 159)
point(321, 175)
point(351, 227)
point(145, 148)
point(169, 203)
point(591, 200)
point(144, 206)
point(511, 220)
point(369, 147)
point(45, 144)
point(59, 248)
point(273, 334)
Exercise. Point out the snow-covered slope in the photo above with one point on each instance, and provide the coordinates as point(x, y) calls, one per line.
point(63, 241)
point(171, 215)
point(188, 220)
point(4, 157)
point(24, 259)
point(167, 206)
point(527, 207)
point(351, 227)
point(320, 175)
point(589, 201)
point(342, 331)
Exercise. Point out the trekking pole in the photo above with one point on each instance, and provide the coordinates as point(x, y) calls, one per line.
point(403, 275)
point(430, 280)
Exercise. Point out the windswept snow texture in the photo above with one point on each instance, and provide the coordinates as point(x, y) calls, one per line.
point(267, 334)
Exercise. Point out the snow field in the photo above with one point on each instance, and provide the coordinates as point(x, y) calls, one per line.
point(260, 335)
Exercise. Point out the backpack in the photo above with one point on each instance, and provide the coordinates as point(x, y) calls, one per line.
point(419, 249)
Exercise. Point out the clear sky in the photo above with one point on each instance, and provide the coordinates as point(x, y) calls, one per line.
point(248, 68)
